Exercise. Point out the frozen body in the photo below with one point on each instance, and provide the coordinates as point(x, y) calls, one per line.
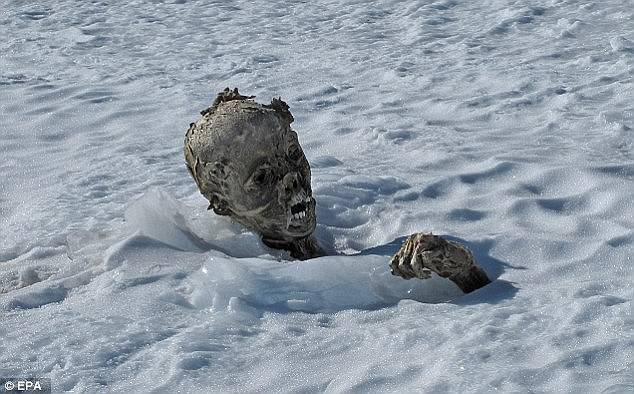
point(247, 161)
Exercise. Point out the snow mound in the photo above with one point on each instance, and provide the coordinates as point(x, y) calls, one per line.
point(325, 284)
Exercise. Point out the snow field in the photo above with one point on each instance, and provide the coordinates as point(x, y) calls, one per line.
point(504, 125)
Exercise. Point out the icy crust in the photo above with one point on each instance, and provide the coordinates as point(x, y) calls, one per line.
point(327, 284)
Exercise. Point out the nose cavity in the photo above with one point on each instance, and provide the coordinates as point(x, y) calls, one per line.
point(292, 182)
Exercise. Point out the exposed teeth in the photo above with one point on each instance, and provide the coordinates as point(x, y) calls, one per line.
point(298, 198)
point(297, 216)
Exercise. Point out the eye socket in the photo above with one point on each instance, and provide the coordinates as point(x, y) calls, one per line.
point(295, 152)
point(260, 176)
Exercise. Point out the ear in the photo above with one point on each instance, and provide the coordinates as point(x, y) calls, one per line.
point(219, 206)
point(217, 170)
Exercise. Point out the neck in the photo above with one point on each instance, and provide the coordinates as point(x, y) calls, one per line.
point(302, 249)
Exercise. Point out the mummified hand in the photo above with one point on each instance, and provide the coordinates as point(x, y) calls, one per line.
point(423, 253)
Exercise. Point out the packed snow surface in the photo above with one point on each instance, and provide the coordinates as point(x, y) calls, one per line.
point(502, 125)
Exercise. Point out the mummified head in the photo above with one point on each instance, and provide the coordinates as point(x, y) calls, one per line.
point(247, 161)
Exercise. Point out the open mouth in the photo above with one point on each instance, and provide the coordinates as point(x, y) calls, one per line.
point(298, 216)
point(299, 210)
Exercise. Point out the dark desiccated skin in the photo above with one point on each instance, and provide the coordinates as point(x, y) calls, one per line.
point(423, 253)
point(247, 161)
